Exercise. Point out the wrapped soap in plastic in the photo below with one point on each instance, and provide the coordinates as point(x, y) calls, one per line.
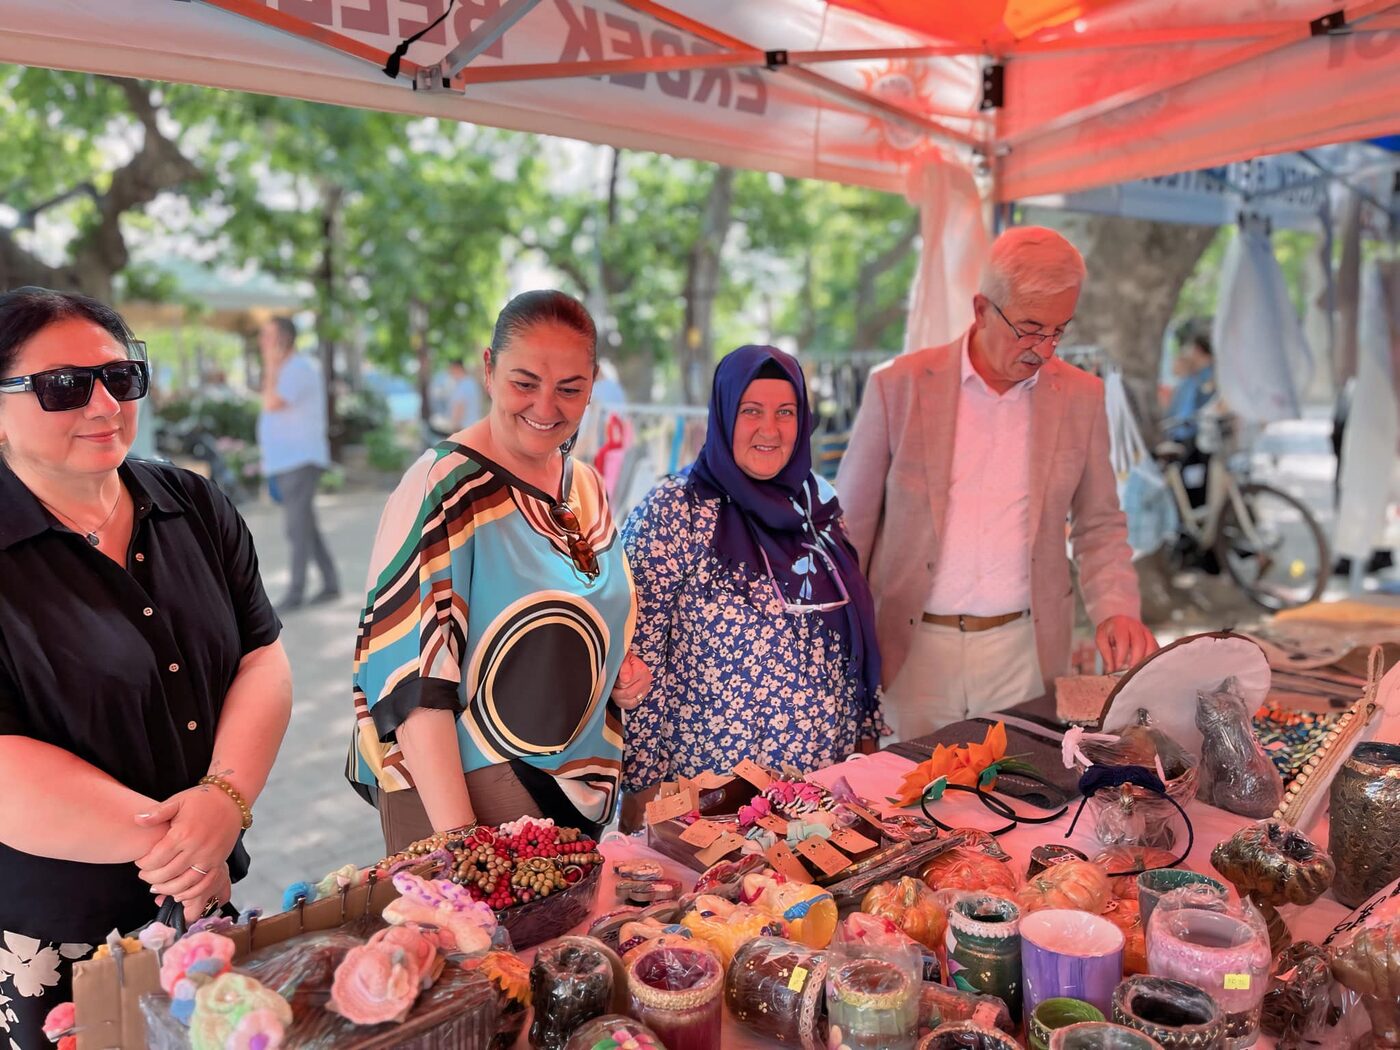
point(571, 981)
point(774, 988)
point(809, 911)
point(873, 981)
point(1236, 775)
point(725, 926)
point(677, 992)
point(909, 904)
point(612, 1031)
point(1366, 962)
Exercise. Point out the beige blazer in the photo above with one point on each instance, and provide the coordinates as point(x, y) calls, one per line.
point(893, 485)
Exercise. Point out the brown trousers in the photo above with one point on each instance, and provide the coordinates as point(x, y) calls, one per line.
point(497, 797)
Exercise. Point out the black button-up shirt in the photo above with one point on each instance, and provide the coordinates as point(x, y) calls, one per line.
point(126, 668)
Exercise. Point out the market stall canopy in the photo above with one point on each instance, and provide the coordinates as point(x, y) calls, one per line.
point(1056, 95)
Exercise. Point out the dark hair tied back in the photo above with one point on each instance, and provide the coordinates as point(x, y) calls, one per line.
point(543, 307)
point(27, 311)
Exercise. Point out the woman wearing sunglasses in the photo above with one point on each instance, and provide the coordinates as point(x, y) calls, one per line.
point(752, 612)
point(143, 689)
point(492, 659)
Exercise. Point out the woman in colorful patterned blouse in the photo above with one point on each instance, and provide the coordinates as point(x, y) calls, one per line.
point(492, 652)
point(752, 611)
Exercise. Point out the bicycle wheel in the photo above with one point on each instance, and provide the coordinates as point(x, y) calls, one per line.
point(1281, 560)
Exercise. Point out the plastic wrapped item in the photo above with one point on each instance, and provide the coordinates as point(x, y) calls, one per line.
point(909, 904)
point(1174, 1013)
point(677, 992)
point(510, 980)
point(1235, 774)
point(459, 1011)
point(1131, 815)
point(1272, 864)
point(872, 986)
point(1155, 884)
point(971, 870)
point(1050, 1015)
point(809, 911)
point(1367, 962)
point(571, 981)
point(614, 1032)
point(544, 918)
point(1221, 947)
point(984, 947)
point(1123, 864)
point(1068, 954)
point(1100, 1035)
point(967, 1035)
point(939, 1005)
point(726, 926)
point(774, 988)
point(1048, 855)
point(1125, 914)
point(1298, 1003)
point(1075, 884)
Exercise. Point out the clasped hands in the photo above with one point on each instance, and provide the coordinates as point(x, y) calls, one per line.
point(190, 862)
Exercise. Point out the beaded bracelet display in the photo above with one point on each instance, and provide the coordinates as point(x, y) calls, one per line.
point(233, 793)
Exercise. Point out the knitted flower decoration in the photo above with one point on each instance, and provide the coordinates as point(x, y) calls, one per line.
point(129, 945)
point(61, 1020)
point(157, 937)
point(508, 974)
point(184, 953)
point(340, 879)
point(418, 945)
point(375, 983)
point(235, 1007)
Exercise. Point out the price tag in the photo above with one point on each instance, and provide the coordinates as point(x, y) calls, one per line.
point(717, 850)
point(777, 825)
point(711, 781)
point(686, 784)
point(753, 774)
point(671, 807)
point(1237, 982)
point(668, 787)
point(701, 833)
point(864, 814)
point(852, 841)
point(798, 979)
point(786, 863)
point(828, 859)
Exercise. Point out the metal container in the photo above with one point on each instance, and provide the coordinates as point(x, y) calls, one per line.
point(1364, 837)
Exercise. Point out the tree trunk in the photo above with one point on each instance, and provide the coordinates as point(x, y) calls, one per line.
point(695, 349)
point(327, 331)
point(1136, 271)
point(872, 318)
point(101, 253)
point(418, 339)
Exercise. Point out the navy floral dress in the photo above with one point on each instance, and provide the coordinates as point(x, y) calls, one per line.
point(734, 676)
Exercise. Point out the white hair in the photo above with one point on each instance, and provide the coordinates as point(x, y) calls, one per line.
point(1030, 262)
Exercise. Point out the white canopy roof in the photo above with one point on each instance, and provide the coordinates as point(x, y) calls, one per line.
point(1092, 93)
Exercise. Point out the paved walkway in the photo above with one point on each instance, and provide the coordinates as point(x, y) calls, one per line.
point(309, 820)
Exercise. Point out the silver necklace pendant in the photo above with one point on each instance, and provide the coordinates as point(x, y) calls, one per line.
point(92, 539)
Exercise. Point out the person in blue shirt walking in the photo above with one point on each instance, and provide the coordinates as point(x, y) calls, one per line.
point(295, 452)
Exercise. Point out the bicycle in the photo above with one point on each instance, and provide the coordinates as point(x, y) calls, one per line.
point(1266, 539)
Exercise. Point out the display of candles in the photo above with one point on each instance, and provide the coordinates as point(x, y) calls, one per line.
point(774, 988)
point(1100, 1035)
point(872, 1004)
point(571, 982)
point(984, 947)
point(1222, 949)
point(1050, 1015)
point(676, 992)
point(1174, 1013)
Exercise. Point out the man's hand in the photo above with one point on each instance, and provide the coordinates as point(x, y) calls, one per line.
point(633, 682)
point(1123, 642)
point(204, 825)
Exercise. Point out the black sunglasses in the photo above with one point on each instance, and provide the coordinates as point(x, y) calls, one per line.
point(64, 389)
point(585, 558)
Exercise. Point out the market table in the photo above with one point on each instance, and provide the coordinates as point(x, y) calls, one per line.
point(874, 777)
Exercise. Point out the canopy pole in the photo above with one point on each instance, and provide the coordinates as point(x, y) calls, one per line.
point(819, 83)
point(486, 34)
point(347, 45)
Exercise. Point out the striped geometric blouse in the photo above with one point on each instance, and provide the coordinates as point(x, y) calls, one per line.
point(475, 606)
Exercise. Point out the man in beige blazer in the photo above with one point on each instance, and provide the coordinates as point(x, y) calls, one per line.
point(964, 466)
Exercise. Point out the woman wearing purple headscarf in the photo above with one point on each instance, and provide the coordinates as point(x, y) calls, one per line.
point(752, 612)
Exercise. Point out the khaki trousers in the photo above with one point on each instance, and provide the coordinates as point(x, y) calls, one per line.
point(951, 675)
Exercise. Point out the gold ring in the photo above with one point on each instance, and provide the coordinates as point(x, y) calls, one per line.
point(196, 867)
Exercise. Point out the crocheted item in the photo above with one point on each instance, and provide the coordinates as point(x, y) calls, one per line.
point(375, 983)
point(181, 956)
point(235, 1012)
